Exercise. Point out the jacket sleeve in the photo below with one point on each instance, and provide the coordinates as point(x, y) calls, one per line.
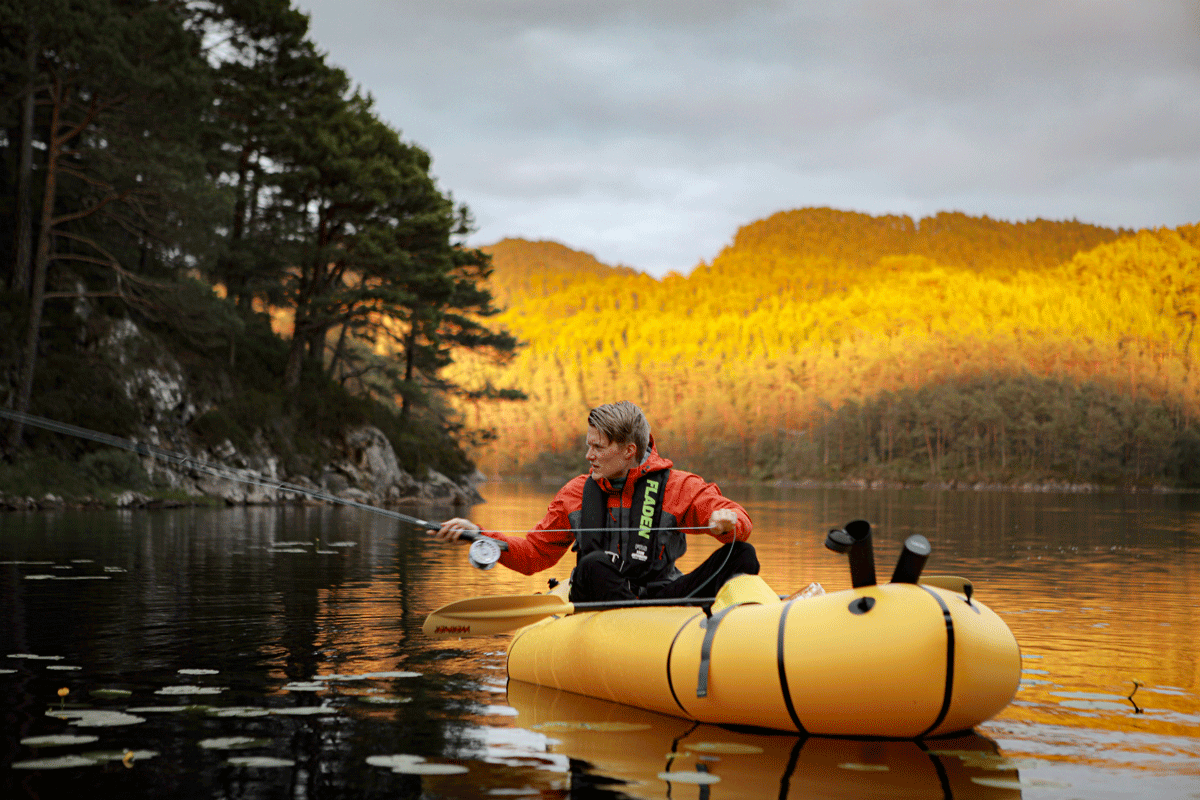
point(692, 500)
point(545, 545)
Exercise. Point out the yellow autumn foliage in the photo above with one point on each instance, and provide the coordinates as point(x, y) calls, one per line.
point(812, 323)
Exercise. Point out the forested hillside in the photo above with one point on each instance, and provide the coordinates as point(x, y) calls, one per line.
point(831, 345)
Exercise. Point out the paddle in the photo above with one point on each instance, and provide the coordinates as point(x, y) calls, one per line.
point(952, 583)
point(483, 616)
point(480, 616)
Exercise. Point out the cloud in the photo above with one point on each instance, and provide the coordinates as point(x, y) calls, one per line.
point(647, 132)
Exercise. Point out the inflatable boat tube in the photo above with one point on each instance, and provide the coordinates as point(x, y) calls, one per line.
point(898, 660)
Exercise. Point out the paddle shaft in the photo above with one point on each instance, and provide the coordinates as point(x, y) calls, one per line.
point(482, 616)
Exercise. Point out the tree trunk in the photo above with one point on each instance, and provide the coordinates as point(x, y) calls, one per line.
point(22, 255)
point(337, 351)
point(41, 263)
point(410, 352)
point(295, 358)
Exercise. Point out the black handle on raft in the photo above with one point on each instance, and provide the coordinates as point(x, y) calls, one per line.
point(912, 559)
point(855, 540)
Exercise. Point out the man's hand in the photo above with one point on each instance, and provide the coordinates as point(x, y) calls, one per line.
point(723, 520)
point(453, 528)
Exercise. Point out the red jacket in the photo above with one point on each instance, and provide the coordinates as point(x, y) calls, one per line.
point(687, 497)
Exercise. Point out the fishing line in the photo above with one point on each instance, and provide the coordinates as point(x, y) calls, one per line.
point(246, 476)
point(207, 467)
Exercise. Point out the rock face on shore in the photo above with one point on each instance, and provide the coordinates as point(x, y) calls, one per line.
point(362, 466)
point(365, 470)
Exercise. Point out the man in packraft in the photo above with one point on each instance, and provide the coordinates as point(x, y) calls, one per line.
point(628, 520)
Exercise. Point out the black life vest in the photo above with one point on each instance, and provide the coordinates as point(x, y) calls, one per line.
point(645, 544)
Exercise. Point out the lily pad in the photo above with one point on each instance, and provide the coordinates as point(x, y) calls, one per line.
point(189, 690)
point(384, 675)
point(7, 671)
point(431, 768)
point(32, 657)
point(233, 743)
point(57, 740)
point(393, 761)
point(63, 667)
point(384, 700)
point(724, 748)
point(864, 767)
point(128, 756)
point(697, 778)
point(260, 761)
point(239, 711)
point(109, 694)
point(95, 718)
point(305, 711)
point(188, 709)
point(1096, 705)
point(59, 762)
point(68, 577)
point(199, 671)
point(305, 686)
point(415, 765)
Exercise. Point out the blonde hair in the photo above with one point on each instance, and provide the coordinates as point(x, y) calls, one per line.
point(622, 423)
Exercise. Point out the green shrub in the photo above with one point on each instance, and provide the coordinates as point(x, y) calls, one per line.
point(214, 427)
point(119, 469)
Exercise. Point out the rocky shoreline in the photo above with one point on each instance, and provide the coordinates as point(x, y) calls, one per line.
point(366, 472)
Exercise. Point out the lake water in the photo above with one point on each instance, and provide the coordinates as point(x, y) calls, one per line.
point(277, 652)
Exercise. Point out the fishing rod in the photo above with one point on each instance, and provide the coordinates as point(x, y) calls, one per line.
point(483, 553)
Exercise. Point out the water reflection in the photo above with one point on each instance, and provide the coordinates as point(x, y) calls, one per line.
point(650, 754)
point(307, 620)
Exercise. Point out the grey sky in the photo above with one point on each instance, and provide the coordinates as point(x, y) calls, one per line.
point(647, 131)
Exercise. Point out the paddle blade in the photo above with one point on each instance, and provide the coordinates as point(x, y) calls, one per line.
point(952, 583)
point(482, 616)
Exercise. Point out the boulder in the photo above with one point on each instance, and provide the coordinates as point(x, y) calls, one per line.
point(372, 460)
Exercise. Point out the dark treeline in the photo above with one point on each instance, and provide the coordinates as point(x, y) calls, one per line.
point(201, 170)
point(996, 429)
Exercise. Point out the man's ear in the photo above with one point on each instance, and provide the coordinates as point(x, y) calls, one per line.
point(630, 451)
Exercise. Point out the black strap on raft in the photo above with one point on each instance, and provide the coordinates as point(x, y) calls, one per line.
point(948, 694)
point(782, 663)
point(710, 633)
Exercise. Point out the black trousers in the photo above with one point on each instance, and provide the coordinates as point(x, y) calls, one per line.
point(596, 577)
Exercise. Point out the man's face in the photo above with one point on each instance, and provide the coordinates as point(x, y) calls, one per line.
point(607, 459)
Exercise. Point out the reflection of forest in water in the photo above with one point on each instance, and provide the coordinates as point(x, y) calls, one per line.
point(318, 609)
